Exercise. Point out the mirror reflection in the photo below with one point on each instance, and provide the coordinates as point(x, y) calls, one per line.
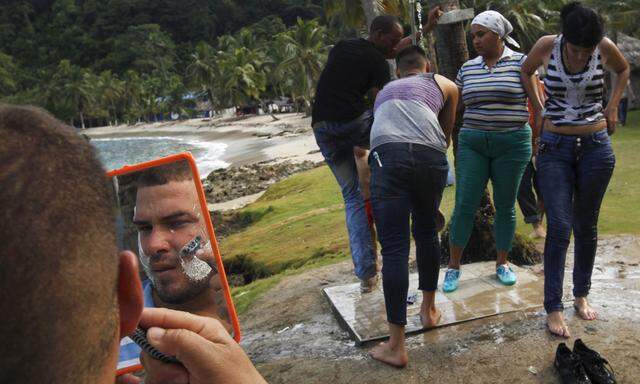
point(163, 222)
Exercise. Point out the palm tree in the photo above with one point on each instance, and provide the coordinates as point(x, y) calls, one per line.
point(451, 42)
point(74, 86)
point(110, 90)
point(307, 53)
point(132, 92)
point(279, 76)
point(8, 71)
point(619, 15)
point(202, 73)
point(360, 13)
point(242, 79)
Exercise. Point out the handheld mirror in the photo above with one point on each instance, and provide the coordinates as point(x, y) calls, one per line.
point(164, 219)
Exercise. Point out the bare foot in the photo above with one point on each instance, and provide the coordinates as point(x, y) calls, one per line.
point(556, 324)
point(396, 357)
point(584, 309)
point(538, 231)
point(430, 318)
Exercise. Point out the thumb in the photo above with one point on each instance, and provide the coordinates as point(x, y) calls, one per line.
point(191, 349)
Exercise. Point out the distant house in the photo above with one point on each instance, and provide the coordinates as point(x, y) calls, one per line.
point(630, 48)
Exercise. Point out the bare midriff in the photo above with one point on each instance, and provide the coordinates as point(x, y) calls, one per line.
point(575, 130)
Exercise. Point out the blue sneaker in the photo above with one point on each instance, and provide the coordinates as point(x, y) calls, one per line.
point(506, 275)
point(450, 283)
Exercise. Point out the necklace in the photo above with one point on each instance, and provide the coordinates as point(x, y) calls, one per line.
point(576, 90)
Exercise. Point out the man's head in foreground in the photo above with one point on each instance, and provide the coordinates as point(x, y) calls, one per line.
point(169, 223)
point(385, 33)
point(68, 295)
point(411, 60)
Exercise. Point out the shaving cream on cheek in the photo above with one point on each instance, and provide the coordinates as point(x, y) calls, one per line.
point(194, 268)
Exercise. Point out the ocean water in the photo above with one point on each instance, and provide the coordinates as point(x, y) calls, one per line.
point(117, 152)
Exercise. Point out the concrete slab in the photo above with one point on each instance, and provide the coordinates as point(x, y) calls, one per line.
point(479, 295)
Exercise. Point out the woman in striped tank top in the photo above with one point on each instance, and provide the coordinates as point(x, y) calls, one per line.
point(575, 160)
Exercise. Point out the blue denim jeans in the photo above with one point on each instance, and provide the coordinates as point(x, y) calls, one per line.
point(573, 175)
point(336, 142)
point(407, 180)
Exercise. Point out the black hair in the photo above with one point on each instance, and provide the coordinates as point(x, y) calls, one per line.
point(411, 57)
point(384, 23)
point(581, 26)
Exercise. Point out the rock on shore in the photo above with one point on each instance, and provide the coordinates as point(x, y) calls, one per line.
point(234, 182)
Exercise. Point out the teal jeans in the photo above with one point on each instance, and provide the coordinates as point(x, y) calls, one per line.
point(482, 156)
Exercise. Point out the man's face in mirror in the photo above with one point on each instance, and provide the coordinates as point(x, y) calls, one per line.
point(169, 222)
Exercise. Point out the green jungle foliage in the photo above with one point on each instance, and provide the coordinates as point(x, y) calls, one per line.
point(98, 62)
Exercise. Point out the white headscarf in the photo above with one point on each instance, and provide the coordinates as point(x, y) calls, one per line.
point(497, 23)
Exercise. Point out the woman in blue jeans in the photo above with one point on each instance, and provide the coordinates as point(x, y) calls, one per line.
point(575, 160)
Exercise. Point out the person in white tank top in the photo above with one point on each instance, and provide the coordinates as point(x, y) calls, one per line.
point(575, 159)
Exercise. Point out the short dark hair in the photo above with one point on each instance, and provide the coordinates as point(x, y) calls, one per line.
point(59, 255)
point(411, 57)
point(581, 26)
point(151, 177)
point(384, 23)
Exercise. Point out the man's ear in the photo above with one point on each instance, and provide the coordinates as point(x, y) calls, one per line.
point(130, 300)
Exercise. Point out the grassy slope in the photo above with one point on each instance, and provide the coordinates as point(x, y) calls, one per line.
point(304, 227)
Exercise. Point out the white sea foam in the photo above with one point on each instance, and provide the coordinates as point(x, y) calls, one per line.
point(209, 159)
point(116, 152)
point(136, 138)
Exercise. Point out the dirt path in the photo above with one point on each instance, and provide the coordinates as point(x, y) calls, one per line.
point(293, 337)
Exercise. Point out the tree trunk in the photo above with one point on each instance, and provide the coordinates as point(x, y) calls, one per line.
point(370, 9)
point(115, 113)
point(82, 120)
point(451, 42)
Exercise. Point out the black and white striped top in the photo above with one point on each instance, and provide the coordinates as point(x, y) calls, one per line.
point(573, 99)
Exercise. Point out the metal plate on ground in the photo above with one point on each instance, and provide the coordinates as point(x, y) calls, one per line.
point(479, 295)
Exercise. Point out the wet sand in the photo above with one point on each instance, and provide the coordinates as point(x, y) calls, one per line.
point(292, 335)
point(249, 139)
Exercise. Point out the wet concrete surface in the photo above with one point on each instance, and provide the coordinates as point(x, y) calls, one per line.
point(479, 295)
point(292, 335)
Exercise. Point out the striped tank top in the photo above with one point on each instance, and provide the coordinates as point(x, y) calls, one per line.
point(573, 99)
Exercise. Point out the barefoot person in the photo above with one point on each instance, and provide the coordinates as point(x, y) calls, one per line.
point(494, 142)
point(414, 118)
point(575, 160)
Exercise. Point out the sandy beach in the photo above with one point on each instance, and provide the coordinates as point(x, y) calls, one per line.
point(249, 140)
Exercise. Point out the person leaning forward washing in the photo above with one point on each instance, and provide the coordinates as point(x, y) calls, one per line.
point(494, 142)
point(575, 159)
point(355, 69)
point(414, 118)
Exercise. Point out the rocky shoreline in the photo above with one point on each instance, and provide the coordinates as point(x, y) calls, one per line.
point(232, 183)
